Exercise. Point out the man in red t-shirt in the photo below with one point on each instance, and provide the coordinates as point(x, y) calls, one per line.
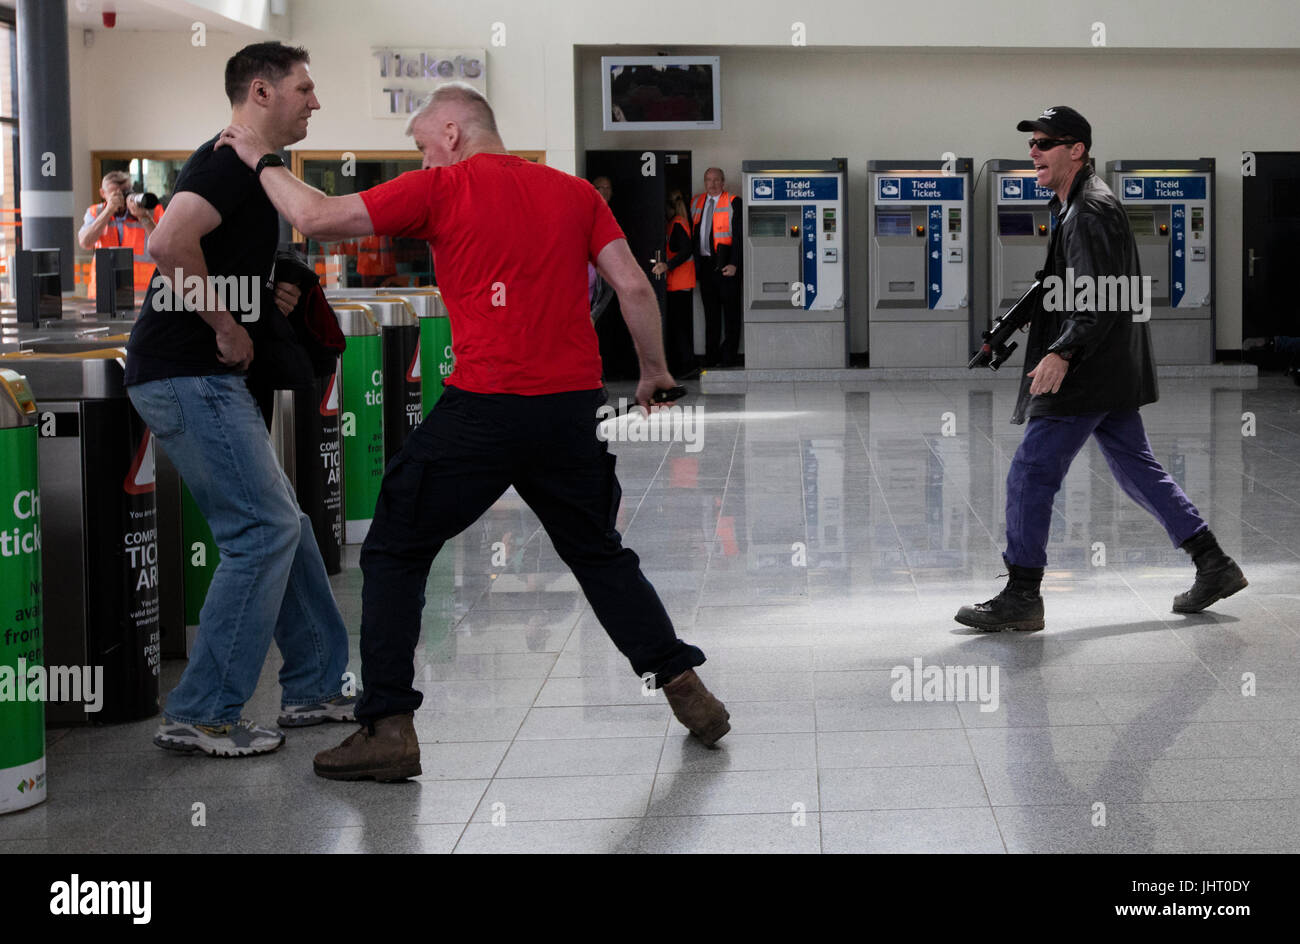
point(511, 240)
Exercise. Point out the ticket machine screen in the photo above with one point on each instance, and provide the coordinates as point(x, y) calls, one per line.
point(893, 223)
point(1015, 224)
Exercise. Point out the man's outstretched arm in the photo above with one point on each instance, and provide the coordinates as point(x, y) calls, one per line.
point(325, 219)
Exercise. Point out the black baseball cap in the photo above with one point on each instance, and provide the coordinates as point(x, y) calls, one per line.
point(1060, 121)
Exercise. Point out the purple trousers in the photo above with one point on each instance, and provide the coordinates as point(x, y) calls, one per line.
point(1044, 456)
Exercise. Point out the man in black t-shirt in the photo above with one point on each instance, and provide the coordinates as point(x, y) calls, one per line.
point(186, 368)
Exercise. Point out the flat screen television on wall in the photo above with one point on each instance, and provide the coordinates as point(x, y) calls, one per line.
point(661, 93)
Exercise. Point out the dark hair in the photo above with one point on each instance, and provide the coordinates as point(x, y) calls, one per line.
point(269, 61)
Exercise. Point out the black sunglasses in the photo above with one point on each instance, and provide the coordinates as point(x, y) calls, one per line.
point(1046, 144)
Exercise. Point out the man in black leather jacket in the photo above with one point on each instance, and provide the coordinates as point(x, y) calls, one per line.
point(1093, 370)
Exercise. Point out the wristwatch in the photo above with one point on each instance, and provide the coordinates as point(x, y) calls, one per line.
point(267, 160)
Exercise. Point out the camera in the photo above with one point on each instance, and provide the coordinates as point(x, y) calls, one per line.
point(146, 201)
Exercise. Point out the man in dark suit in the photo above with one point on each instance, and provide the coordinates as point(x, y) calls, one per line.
point(716, 237)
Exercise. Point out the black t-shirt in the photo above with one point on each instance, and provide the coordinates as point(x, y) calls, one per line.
point(179, 343)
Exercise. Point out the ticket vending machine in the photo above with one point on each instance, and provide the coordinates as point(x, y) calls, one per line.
point(920, 276)
point(1170, 206)
point(796, 253)
point(1019, 228)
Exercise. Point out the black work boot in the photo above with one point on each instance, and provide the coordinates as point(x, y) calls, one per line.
point(1019, 606)
point(1217, 574)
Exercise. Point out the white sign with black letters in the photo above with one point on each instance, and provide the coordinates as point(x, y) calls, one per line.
point(402, 78)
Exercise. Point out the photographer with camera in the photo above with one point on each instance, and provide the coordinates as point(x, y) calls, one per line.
point(123, 219)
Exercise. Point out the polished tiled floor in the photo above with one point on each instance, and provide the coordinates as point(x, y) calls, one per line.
point(821, 535)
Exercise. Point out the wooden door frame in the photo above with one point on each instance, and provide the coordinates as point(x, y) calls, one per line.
point(119, 155)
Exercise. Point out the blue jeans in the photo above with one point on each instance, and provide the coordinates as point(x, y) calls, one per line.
point(271, 581)
point(1044, 456)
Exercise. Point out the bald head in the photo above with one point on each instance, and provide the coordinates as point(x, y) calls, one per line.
point(455, 123)
point(714, 179)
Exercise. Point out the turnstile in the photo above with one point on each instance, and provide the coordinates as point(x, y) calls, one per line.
point(99, 531)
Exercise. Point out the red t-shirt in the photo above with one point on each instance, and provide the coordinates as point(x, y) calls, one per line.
point(510, 240)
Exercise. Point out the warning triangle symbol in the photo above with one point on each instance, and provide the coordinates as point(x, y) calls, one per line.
point(140, 477)
point(413, 372)
point(329, 405)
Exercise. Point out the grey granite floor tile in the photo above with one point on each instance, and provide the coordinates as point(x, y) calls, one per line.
point(901, 788)
point(961, 830)
point(1093, 828)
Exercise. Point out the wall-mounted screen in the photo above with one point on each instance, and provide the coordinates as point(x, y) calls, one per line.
point(661, 93)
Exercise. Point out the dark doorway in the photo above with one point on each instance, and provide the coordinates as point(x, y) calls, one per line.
point(641, 181)
point(1270, 240)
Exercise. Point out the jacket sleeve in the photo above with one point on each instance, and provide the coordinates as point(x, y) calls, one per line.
point(1093, 251)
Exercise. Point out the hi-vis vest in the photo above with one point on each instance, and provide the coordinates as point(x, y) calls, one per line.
point(721, 234)
point(133, 235)
point(375, 256)
point(682, 278)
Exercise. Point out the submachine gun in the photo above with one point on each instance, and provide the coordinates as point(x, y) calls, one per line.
point(997, 346)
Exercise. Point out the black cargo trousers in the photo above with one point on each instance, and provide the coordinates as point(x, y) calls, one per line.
point(454, 466)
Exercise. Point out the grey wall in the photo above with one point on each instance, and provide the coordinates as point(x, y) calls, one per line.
point(867, 104)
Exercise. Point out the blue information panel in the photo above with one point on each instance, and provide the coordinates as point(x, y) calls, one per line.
point(794, 188)
point(1178, 251)
point(903, 189)
point(934, 249)
point(809, 255)
point(1162, 188)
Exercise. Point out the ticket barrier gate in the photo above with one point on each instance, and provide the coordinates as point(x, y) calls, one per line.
point(434, 362)
point(360, 401)
point(99, 534)
point(399, 333)
point(22, 623)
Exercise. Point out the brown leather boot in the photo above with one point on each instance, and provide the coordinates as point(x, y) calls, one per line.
point(695, 707)
point(392, 752)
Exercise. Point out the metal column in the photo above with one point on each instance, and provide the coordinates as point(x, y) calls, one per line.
point(45, 131)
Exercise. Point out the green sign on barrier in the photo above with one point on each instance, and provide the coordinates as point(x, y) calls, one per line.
point(435, 358)
point(22, 721)
point(362, 429)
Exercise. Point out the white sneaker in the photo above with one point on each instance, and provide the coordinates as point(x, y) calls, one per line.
point(338, 708)
point(228, 740)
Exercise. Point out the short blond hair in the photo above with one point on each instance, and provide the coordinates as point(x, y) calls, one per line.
point(115, 177)
point(481, 117)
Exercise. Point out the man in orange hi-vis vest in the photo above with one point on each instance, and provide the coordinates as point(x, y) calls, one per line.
point(120, 221)
point(715, 240)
